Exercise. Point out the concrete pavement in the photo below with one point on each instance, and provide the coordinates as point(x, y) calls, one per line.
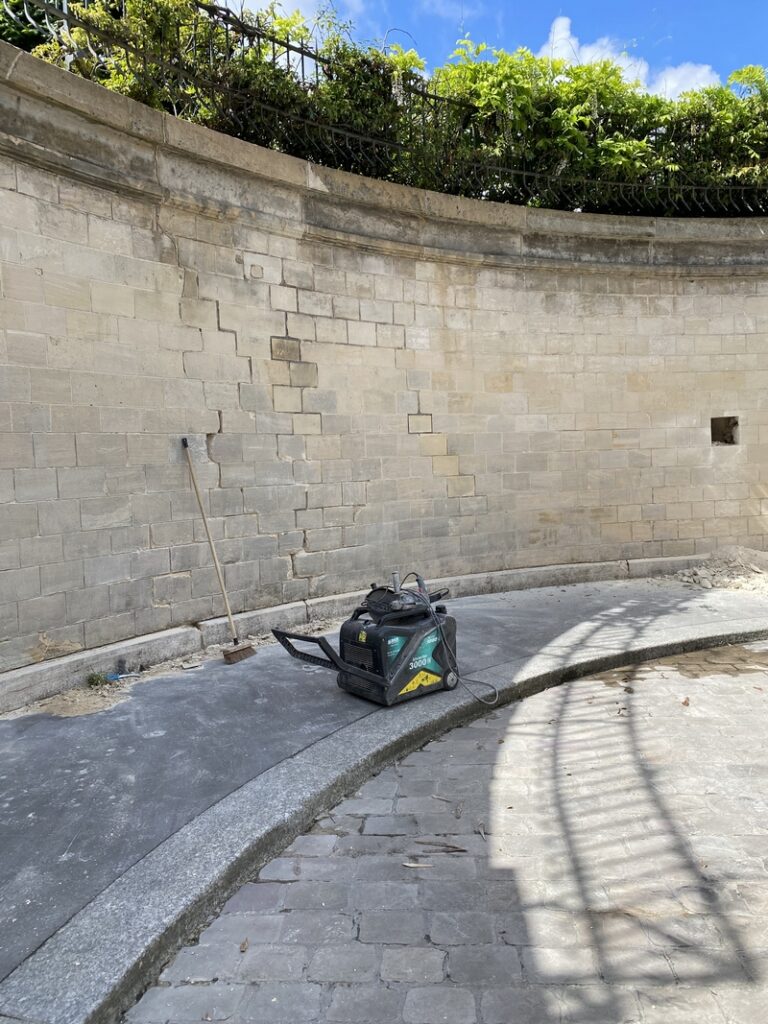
point(123, 830)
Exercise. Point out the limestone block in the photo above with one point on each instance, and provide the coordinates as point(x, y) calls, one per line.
point(286, 348)
point(35, 484)
point(307, 423)
point(17, 521)
point(303, 374)
point(25, 349)
point(105, 513)
point(418, 424)
point(286, 399)
point(15, 384)
point(101, 631)
point(147, 564)
point(362, 334)
point(61, 577)
point(332, 331)
point(54, 449)
point(107, 569)
point(42, 613)
point(16, 451)
point(9, 554)
point(9, 621)
point(284, 298)
point(19, 584)
point(23, 284)
point(101, 449)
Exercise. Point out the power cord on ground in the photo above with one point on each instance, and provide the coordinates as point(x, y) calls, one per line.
point(452, 662)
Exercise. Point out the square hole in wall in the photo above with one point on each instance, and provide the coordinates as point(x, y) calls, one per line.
point(725, 429)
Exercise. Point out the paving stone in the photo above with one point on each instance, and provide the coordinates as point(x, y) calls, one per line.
point(237, 928)
point(680, 1006)
point(461, 929)
point(449, 896)
point(187, 1003)
point(281, 869)
point(365, 1004)
point(319, 869)
point(196, 964)
point(620, 877)
point(265, 896)
point(280, 1003)
point(364, 806)
point(392, 927)
point(312, 846)
point(518, 1005)
point(352, 962)
point(391, 825)
point(272, 963)
point(416, 967)
point(439, 1005)
point(316, 895)
point(313, 927)
point(484, 965)
point(383, 895)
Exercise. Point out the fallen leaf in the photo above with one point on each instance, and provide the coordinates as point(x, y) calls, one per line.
point(444, 847)
point(244, 945)
point(686, 702)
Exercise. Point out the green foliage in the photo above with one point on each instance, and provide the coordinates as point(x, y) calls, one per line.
point(488, 123)
point(17, 30)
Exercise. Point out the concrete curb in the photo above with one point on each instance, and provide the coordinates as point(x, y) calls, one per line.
point(92, 969)
point(34, 682)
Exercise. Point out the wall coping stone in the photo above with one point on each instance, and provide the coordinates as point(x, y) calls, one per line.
point(493, 233)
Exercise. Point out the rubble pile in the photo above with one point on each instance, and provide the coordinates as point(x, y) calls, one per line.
point(734, 568)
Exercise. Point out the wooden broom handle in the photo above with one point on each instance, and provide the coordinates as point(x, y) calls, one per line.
point(192, 474)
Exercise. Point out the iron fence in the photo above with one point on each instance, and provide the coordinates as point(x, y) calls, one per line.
point(233, 74)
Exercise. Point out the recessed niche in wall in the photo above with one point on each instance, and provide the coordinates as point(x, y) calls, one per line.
point(725, 429)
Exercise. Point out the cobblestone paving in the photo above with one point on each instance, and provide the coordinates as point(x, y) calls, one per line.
point(595, 854)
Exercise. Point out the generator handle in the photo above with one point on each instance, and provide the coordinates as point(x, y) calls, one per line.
point(332, 659)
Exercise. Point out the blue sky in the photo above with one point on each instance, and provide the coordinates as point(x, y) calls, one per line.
point(669, 45)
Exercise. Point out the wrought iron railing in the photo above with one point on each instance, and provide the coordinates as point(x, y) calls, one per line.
point(235, 75)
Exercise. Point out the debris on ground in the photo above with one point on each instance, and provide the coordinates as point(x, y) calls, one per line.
point(731, 568)
point(99, 691)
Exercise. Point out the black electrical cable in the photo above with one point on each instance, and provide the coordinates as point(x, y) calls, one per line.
point(452, 662)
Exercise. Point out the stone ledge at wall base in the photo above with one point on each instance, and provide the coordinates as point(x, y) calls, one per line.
point(36, 682)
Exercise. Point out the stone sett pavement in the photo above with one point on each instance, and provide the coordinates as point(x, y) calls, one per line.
point(597, 854)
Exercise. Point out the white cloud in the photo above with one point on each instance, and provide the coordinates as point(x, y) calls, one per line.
point(668, 81)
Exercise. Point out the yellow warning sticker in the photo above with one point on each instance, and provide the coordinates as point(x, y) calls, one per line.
point(422, 678)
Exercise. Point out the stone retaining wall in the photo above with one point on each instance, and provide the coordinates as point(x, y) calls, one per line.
point(370, 376)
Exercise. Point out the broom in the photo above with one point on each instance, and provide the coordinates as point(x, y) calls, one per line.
point(238, 650)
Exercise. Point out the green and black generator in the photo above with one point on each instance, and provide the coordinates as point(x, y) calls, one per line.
point(395, 646)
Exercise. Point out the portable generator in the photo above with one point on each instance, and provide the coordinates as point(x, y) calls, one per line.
point(395, 646)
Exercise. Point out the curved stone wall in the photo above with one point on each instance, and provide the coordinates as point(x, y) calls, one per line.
point(371, 376)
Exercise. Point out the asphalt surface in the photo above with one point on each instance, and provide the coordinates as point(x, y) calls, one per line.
point(85, 799)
